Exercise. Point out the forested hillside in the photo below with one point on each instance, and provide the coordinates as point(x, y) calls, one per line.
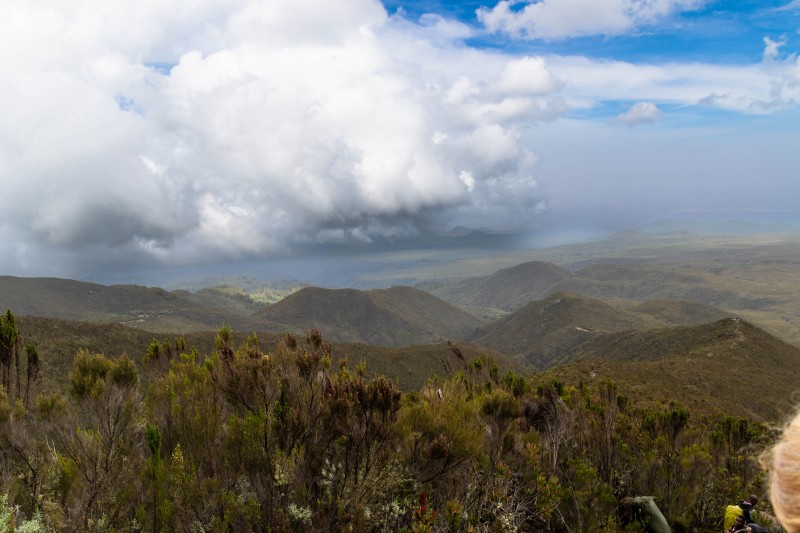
point(410, 366)
point(249, 438)
point(729, 367)
point(544, 330)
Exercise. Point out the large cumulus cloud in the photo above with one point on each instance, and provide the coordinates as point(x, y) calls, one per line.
point(182, 130)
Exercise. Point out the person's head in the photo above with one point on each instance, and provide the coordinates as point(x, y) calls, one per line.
point(753, 499)
point(783, 462)
point(745, 505)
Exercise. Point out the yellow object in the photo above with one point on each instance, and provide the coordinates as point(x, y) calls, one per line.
point(731, 513)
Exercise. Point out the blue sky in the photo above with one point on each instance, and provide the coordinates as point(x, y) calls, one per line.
point(721, 31)
point(165, 136)
point(700, 141)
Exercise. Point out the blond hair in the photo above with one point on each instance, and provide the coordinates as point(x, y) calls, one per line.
point(783, 461)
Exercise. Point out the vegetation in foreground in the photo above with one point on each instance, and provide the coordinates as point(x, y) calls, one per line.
point(243, 440)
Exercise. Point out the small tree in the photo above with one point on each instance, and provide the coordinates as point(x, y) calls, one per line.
point(103, 438)
point(153, 437)
point(32, 373)
point(9, 349)
point(551, 417)
point(153, 351)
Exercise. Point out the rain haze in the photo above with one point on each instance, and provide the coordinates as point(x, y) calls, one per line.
point(150, 140)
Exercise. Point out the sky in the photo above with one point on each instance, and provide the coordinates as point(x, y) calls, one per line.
point(155, 135)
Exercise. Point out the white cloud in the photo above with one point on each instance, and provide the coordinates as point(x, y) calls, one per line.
point(438, 28)
point(276, 125)
point(791, 6)
point(772, 49)
point(639, 113)
point(784, 77)
point(467, 179)
point(739, 88)
point(560, 19)
point(528, 75)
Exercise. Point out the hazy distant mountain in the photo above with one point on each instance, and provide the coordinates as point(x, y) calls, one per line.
point(245, 283)
point(240, 288)
point(608, 279)
point(238, 303)
point(544, 330)
point(505, 290)
point(729, 365)
point(715, 227)
point(650, 282)
point(461, 231)
point(387, 317)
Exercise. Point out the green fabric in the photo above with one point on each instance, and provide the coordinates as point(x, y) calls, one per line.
point(650, 515)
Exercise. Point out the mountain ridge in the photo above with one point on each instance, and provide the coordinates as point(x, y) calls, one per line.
point(730, 365)
point(543, 330)
point(386, 317)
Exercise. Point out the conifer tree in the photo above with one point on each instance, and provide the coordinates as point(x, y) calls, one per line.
point(32, 373)
point(9, 349)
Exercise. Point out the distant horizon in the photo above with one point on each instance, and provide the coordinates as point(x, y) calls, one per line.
point(329, 268)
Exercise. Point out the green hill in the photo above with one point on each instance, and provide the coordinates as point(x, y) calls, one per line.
point(398, 316)
point(504, 290)
point(544, 330)
point(148, 308)
point(729, 367)
point(229, 298)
